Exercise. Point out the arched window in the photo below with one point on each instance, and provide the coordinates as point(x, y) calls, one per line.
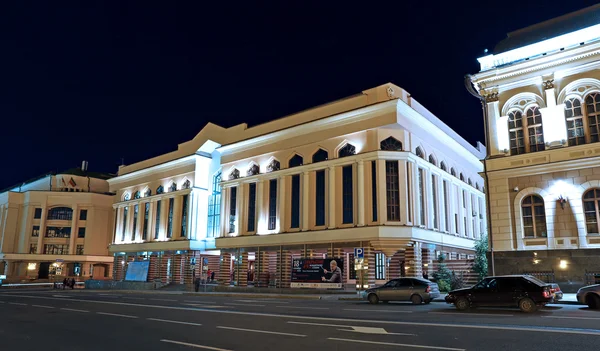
point(443, 166)
point(592, 106)
point(432, 160)
point(173, 187)
point(137, 195)
point(186, 184)
point(477, 186)
point(295, 161)
point(420, 153)
point(590, 209)
point(60, 213)
point(534, 129)
point(347, 150)
point(470, 182)
point(390, 144)
point(148, 192)
point(534, 217)
point(574, 118)
point(452, 171)
point(274, 166)
point(160, 189)
point(127, 197)
point(235, 174)
point(462, 177)
point(320, 155)
point(253, 170)
point(515, 132)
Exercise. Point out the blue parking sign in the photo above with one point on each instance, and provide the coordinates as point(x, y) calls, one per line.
point(359, 252)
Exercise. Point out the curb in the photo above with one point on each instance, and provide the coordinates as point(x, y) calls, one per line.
point(265, 296)
point(350, 299)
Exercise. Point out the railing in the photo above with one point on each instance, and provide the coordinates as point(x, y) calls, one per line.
point(592, 277)
point(546, 276)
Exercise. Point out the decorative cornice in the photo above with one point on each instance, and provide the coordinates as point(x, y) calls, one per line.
point(492, 97)
point(549, 84)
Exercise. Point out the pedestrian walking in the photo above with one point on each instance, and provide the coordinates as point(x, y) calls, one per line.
point(65, 281)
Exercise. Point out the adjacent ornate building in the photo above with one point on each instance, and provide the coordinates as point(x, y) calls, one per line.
point(541, 94)
point(57, 226)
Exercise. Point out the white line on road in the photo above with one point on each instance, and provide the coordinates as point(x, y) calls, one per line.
point(591, 318)
point(74, 310)
point(366, 330)
point(170, 300)
point(258, 300)
point(134, 298)
point(18, 303)
point(116, 315)
point(394, 344)
point(243, 304)
point(375, 310)
point(41, 306)
point(304, 308)
point(261, 331)
point(200, 301)
point(193, 345)
point(176, 322)
point(475, 314)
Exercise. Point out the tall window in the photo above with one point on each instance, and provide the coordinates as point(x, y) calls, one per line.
point(157, 222)
point(464, 204)
point(591, 204)
point(320, 155)
point(81, 233)
point(420, 181)
point(170, 218)
point(295, 219)
point(125, 210)
point(420, 153)
point(374, 188)
point(214, 207)
point(135, 217)
point(60, 213)
point(320, 198)
point(184, 215)
point(434, 195)
point(592, 106)
point(146, 215)
point(232, 209)
point(392, 190)
point(534, 217)
point(272, 204)
point(409, 190)
point(296, 161)
point(432, 160)
point(534, 129)
point(574, 118)
point(390, 144)
point(347, 195)
point(443, 166)
point(251, 207)
point(446, 206)
point(379, 266)
point(515, 132)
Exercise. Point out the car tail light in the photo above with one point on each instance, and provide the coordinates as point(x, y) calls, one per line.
point(428, 289)
point(547, 293)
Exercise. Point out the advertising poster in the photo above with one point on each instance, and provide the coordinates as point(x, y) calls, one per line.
point(137, 271)
point(317, 273)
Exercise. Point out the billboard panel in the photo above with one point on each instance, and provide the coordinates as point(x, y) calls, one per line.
point(137, 271)
point(317, 273)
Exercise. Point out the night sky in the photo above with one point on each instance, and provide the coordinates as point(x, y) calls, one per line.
point(102, 81)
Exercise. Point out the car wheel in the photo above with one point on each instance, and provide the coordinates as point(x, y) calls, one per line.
point(527, 305)
point(462, 304)
point(373, 299)
point(593, 301)
point(416, 299)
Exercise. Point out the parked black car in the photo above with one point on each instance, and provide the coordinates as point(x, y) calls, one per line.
point(521, 291)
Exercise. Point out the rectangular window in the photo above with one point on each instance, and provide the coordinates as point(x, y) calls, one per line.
point(52, 249)
point(481, 211)
point(35, 232)
point(81, 233)
point(37, 214)
point(32, 248)
point(157, 222)
point(272, 204)
point(135, 218)
point(320, 198)
point(214, 208)
point(379, 266)
point(465, 214)
point(232, 209)
point(146, 215)
point(184, 216)
point(434, 195)
point(420, 180)
point(295, 219)
point(79, 250)
point(83, 215)
point(58, 232)
point(347, 196)
point(392, 190)
point(446, 207)
point(252, 207)
point(125, 210)
point(409, 190)
point(374, 188)
point(456, 223)
point(170, 218)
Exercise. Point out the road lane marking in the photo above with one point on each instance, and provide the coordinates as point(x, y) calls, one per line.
point(170, 300)
point(18, 303)
point(590, 318)
point(382, 311)
point(257, 300)
point(74, 310)
point(543, 329)
point(242, 304)
point(474, 314)
point(169, 321)
point(193, 345)
point(116, 315)
point(304, 308)
point(367, 330)
point(41, 306)
point(201, 302)
point(134, 298)
point(261, 331)
point(394, 344)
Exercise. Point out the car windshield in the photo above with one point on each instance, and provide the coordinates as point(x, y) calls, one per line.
point(535, 280)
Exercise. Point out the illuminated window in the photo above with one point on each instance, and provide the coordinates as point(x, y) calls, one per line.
point(60, 213)
point(434, 194)
point(137, 195)
point(33, 248)
point(35, 232)
point(574, 118)
point(392, 190)
point(590, 208)
point(232, 208)
point(184, 215)
point(160, 189)
point(135, 217)
point(347, 150)
point(320, 155)
point(296, 161)
point(157, 223)
point(535, 130)
point(253, 170)
point(79, 250)
point(592, 106)
point(421, 198)
point(273, 166)
point(272, 204)
point(379, 266)
point(125, 211)
point(515, 132)
point(347, 195)
point(534, 217)
point(251, 207)
point(320, 198)
point(214, 207)
point(374, 189)
point(50, 249)
point(146, 215)
point(420, 153)
point(170, 218)
point(58, 232)
point(390, 144)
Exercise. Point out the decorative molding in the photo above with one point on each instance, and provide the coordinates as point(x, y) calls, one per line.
point(549, 84)
point(579, 88)
point(235, 174)
point(492, 97)
point(522, 101)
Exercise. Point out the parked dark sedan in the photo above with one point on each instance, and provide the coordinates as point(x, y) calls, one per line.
point(416, 290)
point(521, 291)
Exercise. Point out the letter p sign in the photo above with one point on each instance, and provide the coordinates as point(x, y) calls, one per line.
point(359, 252)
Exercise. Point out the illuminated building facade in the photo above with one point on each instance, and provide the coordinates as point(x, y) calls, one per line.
point(376, 170)
point(541, 92)
point(57, 226)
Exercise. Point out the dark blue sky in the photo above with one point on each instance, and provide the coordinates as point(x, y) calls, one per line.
point(102, 81)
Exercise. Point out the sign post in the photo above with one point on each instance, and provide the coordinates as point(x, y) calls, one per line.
point(359, 259)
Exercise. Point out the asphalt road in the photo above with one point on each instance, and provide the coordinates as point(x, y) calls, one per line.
point(92, 320)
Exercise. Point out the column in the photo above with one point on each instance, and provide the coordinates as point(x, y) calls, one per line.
point(177, 206)
point(361, 193)
point(282, 208)
point(151, 221)
point(331, 188)
point(225, 269)
point(413, 260)
point(370, 265)
point(73, 239)
point(427, 260)
point(305, 201)
point(164, 214)
point(40, 241)
point(495, 124)
point(284, 259)
point(140, 219)
point(129, 225)
point(242, 269)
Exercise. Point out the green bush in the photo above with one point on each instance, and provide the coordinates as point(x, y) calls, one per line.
point(480, 264)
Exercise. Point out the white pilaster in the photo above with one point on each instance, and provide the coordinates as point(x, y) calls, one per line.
point(498, 129)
